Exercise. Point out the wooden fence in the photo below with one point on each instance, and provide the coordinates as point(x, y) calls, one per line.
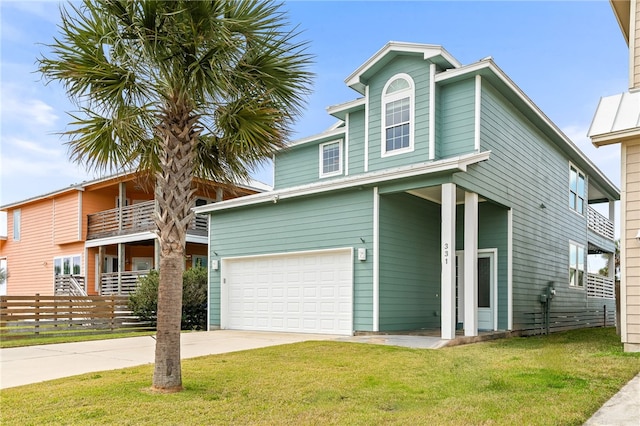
point(568, 320)
point(28, 316)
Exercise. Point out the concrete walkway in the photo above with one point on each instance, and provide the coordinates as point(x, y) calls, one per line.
point(33, 364)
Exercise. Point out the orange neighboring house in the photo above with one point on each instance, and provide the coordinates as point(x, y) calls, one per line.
point(95, 237)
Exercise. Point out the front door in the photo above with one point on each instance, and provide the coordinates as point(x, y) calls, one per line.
point(486, 289)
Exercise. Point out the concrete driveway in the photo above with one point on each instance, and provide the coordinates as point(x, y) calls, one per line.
point(33, 364)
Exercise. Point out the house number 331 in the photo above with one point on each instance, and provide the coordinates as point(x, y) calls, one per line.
point(445, 253)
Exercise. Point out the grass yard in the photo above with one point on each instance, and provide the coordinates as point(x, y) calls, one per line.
point(80, 337)
point(561, 379)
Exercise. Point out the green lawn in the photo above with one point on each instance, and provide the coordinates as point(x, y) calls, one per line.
point(78, 337)
point(557, 380)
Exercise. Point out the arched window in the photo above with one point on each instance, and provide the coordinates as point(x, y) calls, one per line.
point(397, 115)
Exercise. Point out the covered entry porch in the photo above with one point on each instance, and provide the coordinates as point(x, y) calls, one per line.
point(443, 255)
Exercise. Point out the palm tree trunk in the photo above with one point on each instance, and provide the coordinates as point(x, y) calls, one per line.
point(174, 199)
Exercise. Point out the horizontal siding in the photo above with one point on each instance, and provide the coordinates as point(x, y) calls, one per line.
point(456, 122)
point(65, 218)
point(356, 142)
point(30, 260)
point(300, 165)
point(409, 263)
point(418, 69)
point(313, 223)
point(631, 189)
point(538, 175)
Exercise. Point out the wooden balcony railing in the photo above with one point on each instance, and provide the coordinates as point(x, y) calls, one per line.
point(71, 285)
point(128, 282)
point(600, 286)
point(599, 224)
point(132, 219)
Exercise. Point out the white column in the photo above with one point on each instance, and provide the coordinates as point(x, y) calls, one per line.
point(448, 279)
point(121, 262)
point(470, 264)
point(376, 259)
point(612, 258)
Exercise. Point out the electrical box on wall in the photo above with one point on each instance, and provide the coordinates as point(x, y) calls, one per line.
point(362, 254)
point(214, 264)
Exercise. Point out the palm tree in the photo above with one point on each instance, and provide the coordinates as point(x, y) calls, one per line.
point(181, 89)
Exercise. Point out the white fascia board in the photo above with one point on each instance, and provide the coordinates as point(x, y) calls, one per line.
point(450, 164)
point(198, 239)
point(497, 72)
point(345, 107)
point(428, 51)
point(120, 239)
point(329, 133)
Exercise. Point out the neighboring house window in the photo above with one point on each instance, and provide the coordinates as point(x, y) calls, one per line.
point(199, 261)
point(331, 159)
point(576, 265)
point(576, 190)
point(67, 265)
point(17, 214)
point(397, 115)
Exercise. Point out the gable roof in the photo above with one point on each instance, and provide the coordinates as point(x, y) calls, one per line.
point(253, 185)
point(435, 53)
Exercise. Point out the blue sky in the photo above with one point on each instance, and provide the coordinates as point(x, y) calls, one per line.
point(563, 55)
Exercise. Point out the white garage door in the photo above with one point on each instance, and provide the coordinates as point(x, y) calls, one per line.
point(309, 292)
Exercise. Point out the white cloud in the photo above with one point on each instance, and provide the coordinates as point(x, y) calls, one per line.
point(28, 147)
point(28, 111)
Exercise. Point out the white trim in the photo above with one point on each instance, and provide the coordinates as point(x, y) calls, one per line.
point(366, 130)
point(427, 50)
point(314, 138)
point(623, 245)
point(510, 269)
point(321, 158)
point(138, 236)
point(79, 215)
point(197, 239)
point(397, 96)
point(470, 263)
point(345, 106)
point(478, 106)
point(448, 164)
point(447, 259)
point(346, 146)
point(432, 112)
point(632, 42)
point(376, 259)
point(209, 265)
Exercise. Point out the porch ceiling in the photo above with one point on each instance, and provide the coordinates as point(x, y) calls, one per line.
point(434, 194)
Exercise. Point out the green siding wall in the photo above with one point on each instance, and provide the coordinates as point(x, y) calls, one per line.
point(409, 263)
point(418, 69)
point(356, 142)
point(300, 165)
point(455, 132)
point(310, 223)
point(527, 171)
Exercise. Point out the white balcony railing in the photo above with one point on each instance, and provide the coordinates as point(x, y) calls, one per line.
point(599, 224)
point(600, 286)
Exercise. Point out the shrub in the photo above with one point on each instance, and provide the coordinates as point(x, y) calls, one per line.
point(144, 301)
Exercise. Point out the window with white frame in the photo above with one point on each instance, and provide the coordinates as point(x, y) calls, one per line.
point(576, 189)
point(397, 115)
point(17, 214)
point(67, 265)
point(576, 265)
point(331, 158)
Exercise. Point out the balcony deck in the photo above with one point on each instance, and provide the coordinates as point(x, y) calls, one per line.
point(600, 224)
point(132, 219)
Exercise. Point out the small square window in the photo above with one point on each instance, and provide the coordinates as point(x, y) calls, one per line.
point(331, 159)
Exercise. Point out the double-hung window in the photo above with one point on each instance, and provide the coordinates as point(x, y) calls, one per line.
point(397, 115)
point(576, 265)
point(331, 159)
point(576, 190)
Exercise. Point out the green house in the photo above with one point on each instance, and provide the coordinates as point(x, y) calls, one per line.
point(443, 199)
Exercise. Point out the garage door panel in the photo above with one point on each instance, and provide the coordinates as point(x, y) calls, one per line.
point(310, 292)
